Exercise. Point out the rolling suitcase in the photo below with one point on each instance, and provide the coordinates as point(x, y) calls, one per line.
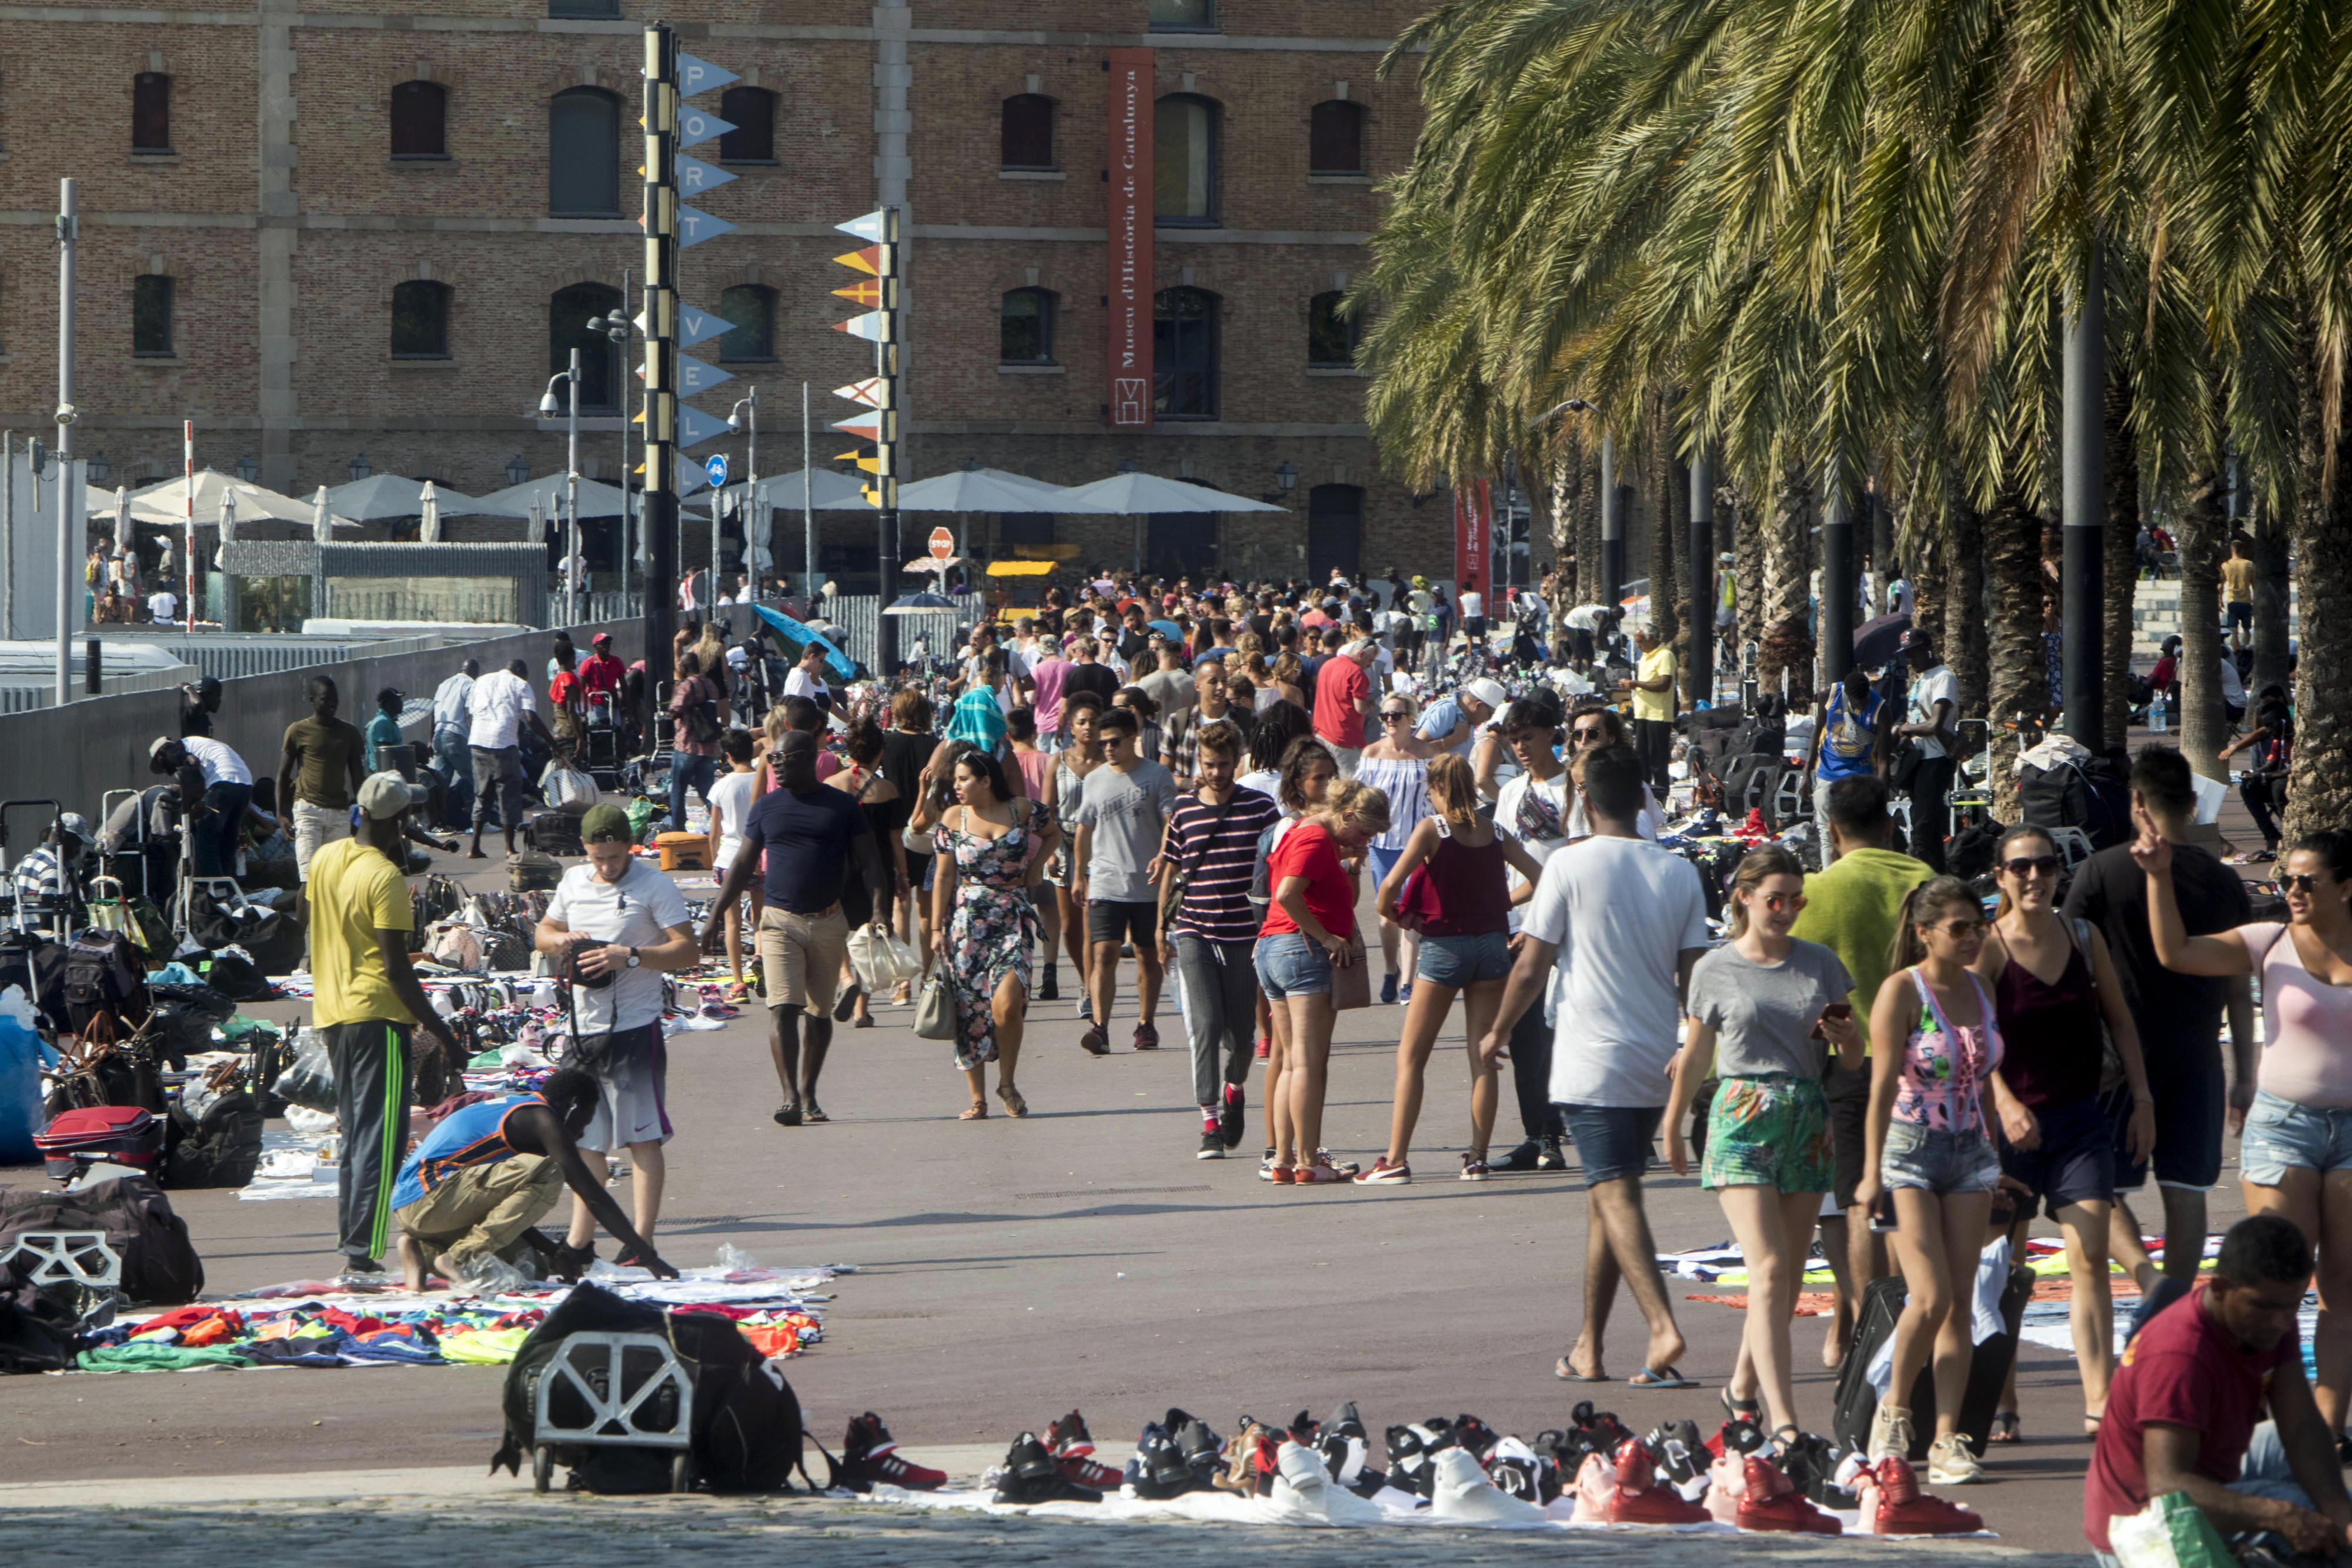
point(1857, 1402)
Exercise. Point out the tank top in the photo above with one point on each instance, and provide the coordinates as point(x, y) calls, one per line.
point(1470, 890)
point(2051, 1032)
point(1944, 1067)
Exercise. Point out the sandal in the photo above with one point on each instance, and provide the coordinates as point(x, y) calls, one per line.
point(1014, 1105)
point(739, 992)
point(2004, 1428)
point(1737, 1409)
point(812, 1111)
point(975, 1111)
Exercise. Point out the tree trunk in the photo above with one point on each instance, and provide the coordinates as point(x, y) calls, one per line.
point(2119, 549)
point(2270, 599)
point(2319, 784)
point(1964, 645)
point(1567, 492)
point(1784, 660)
point(1747, 545)
point(2203, 728)
point(2018, 679)
point(1669, 581)
point(1921, 553)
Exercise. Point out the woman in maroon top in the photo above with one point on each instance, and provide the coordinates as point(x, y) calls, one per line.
point(1461, 906)
point(2052, 986)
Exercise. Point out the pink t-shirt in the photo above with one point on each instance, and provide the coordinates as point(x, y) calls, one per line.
point(1047, 675)
point(2308, 1023)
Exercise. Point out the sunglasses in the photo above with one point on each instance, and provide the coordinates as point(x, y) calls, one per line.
point(1958, 930)
point(2301, 883)
point(1394, 716)
point(1778, 902)
point(1584, 733)
point(2032, 865)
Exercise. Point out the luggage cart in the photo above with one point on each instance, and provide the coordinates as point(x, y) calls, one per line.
point(593, 1369)
point(600, 741)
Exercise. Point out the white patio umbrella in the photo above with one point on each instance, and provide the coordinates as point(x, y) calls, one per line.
point(992, 490)
point(382, 498)
point(323, 523)
point(428, 509)
point(1139, 495)
point(597, 499)
point(253, 502)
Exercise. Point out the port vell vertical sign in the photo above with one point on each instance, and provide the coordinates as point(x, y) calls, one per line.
point(1130, 188)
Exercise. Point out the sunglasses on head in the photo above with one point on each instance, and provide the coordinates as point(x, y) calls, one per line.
point(2299, 882)
point(2032, 865)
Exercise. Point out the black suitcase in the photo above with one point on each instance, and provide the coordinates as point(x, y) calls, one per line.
point(553, 832)
point(1857, 1402)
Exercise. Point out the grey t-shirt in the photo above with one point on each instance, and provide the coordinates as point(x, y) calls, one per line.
point(637, 911)
point(1763, 1014)
point(1126, 812)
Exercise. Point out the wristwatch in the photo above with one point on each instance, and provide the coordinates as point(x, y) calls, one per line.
point(632, 958)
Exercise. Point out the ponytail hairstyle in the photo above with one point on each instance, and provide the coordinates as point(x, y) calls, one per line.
point(1454, 790)
point(1351, 800)
point(1754, 867)
point(2017, 834)
point(1926, 904)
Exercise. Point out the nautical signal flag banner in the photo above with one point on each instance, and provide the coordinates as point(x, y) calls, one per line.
point(700, 76)
point(694, 227)
point(1128, 379)
point(694, 427)
point(867, 391)
point(874, 326)
point(867, 228)
point(697, 325)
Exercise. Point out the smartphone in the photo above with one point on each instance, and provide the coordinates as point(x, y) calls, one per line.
point(1882, 1212)
point(1835, 1011)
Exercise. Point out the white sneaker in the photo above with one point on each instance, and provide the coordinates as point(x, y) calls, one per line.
point(1951, 1462)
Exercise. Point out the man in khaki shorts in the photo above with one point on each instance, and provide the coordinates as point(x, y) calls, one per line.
point(318, 775)
point(808, 834)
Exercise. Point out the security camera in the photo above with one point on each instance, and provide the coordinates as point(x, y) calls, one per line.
point(68, 413)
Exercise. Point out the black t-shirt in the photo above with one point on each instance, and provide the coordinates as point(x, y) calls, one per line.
point(810, 835)
point(2178, 1016)
point(904, 754)
point(1097, 678)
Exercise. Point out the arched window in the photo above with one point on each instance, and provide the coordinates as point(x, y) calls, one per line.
point(1183, 15)
point(1330, 332)
point(751, 310)
point(1185, 354)
point(150, 317)
point(584, 154)
point(420, 321)
point(1334, 137)
point(1025, 327)
point(752, 112)
point(1335, 530)
point(419, 120)
point(150, 113)
point(1184, 156)
point(568, 313)
point(1027, 133)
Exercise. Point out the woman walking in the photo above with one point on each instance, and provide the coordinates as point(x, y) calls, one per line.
point(1462, 914)
point(989, 850)
point(2298, 1132)
point(906, 749)
point(1081, 756)
point(1764, 1012)
point(1310, 930)
point(2052, 986)
point(862, 782)
point(1149, 739)
point(1036, 781)
point(1397, 765)
point(1928, 1143)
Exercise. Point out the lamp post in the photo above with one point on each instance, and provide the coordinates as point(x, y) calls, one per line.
point(517, 469)
point(620, 329)
point(360, 469)
point(571, 484)
point(247, 468)
point(744, 416)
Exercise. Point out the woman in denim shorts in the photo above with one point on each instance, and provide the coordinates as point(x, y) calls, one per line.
point(2298, 1134)
point(1764, 1009)
point(1461, 906)
point(1928, 1145)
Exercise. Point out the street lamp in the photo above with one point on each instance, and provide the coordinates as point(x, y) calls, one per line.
point(546, 407)
point(618, 329)
point(744, 416)
point(360, 469)
point(100, 469)
point(517, 469)
point(247, 468)
point(1285, 477)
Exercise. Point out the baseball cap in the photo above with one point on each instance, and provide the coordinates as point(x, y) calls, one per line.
point(1491, 692)
point(73, 822)
point(605, 823)
point(388, 795)
point(600, 639)
point(156, 750)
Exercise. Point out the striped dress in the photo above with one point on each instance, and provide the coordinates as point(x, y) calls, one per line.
point(1405, 781)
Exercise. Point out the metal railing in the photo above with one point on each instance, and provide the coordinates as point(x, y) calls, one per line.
point(859, 618)
point(17, 698)
point(226, 655)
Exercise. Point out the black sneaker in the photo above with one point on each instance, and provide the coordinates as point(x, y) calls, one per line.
point(1476, 1436)
point(1550, 1156)
point(1522, 1158)
point(1212, 1146)
point(1049, 989)
point(1231, 1117)
point(1681, 1458)
point(1159, 1470)
point(869, 1455)
point(1032, 1476)
point(1201, 1447)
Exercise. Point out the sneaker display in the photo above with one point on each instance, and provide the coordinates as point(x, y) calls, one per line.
point(1893, 1504)
point(1095, 1041)
point(1770, 1502)
point(1409, 1450)
point(1641, 1495)
point(1473, 1168)
point(1518, 1470)
point(1890, 1433)
point(1681, 1459)
point(1303, 1485)
point(1951, 1462)
point(1383, 1173)
point(1146, 1037)
point(1230, 1117)
point(1073, 1448)
point(869, 1457)
point(1212, 1146)
point(1344, 1445)
point(1032, 1476)
point(1460, 1491)
point(1471, 1433)
point(1159, 1472)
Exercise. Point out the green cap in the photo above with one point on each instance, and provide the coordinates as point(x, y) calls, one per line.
point(605, 824)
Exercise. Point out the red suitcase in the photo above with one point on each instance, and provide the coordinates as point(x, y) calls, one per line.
point(126, 1135)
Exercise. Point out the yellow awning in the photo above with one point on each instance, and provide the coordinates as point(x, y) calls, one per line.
point(1020, 568)
point(1045, 552)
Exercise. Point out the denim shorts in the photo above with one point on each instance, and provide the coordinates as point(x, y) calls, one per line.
point(2074, 1161)
point(1772, 1131)
point(1613, 1142)
point(2281, 1135)
point(1938, 1161)
point(1383, 862)
point(1288, 964)
point(1460, 961)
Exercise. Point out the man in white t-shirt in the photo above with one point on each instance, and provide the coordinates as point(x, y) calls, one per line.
point(1622, 921)
point(807, 679)
point(164, 605)
point(1532, 808)
point(498, 708)
point(1934, 702)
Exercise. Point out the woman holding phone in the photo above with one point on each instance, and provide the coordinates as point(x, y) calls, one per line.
point(1765, 1008)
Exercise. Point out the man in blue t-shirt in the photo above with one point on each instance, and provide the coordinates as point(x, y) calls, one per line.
point(808, 834)
point(1848, 741)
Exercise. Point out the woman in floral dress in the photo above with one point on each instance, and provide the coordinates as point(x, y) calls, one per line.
point(992, 847)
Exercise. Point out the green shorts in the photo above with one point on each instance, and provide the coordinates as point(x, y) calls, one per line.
point(1769, 1131)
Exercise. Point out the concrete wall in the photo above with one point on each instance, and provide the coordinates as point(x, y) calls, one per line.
point(74, 754)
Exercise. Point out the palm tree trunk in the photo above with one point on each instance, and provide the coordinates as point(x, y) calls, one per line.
point(1964, 645)
point(2203, 728)
point(2320, 785)
point(1567, 490)
point(2271, 580)
point(1670, 580)
point(1784, 661)
point(2119, 549)
point(1921, 530)
point(1747, 545)
point(2018, 679)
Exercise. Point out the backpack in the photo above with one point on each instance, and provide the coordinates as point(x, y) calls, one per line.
point(103, 975)
point(159, 1265)
point(217, 1145)
point(36, 1334)
point(554, 833)
point(235, 976)
point(2091, 796)
point(37, 966)
point(1260, 890)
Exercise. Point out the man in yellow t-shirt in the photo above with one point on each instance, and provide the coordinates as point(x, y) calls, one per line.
point(365, 1003)
point(1652, 687)
point(2238, 594)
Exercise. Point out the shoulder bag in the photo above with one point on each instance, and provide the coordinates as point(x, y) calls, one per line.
point(1172, 898)
point(935, 1005)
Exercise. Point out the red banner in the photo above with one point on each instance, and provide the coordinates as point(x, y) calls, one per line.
point(1474, 534)
point(1130, 368)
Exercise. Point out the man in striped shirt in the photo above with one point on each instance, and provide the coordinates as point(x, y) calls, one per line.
point(1211, 848)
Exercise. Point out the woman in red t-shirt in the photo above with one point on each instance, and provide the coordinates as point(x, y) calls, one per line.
point(1310, 927)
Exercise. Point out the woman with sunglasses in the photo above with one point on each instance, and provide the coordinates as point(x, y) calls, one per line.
point(2054, 985)
point(1765, 1009)
point(1397, 765)
point(2297, 1140)
point(1462, 914)
point(987, 857)
point(1927, 1143)
point(1589, 730)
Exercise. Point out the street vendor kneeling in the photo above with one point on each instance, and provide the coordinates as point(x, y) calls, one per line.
point(490, 1170)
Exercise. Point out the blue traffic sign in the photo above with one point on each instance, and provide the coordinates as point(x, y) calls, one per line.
point(716, 466)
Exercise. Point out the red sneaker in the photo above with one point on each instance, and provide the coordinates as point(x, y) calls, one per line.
point(1073, 1448)
point(1771, 1503)
point(1146, 1037)
point(1095, 1041)
point(869, 1457)
point(1893, 1504)
point(1264, 1046)
point(1640, 1499)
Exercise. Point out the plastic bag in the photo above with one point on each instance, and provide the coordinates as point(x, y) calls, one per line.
point(880, 959)
point(309, 1083)
point(2171, 1532)
point(20, 1082)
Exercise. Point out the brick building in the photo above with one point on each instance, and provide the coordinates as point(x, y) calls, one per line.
point(342, 233)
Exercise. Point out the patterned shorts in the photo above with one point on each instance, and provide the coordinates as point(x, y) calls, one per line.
point(1769, 1131)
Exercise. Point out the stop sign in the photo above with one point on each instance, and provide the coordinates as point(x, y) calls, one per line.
point(942, 544)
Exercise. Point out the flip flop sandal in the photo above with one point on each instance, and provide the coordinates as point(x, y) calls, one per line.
point(973, 1113)
point(1668, 1377)
point(1567, 1374)
point(2004, 1428)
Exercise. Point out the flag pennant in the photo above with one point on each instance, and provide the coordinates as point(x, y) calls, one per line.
point(867, 391)
point(865, 426)
point(866, 260)
point(868, 326)
point(694, 127)
point(694, 227)
point(697, 325)
point(873, 494)
point(862, 293)
point(695, 177)
point(700, 76)
point(871, 465)
point(867, 228)
point(695, 376)
point(694, 427)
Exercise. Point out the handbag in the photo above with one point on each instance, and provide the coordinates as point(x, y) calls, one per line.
point(935, 1005)
point(1171, 897)
point(1352, 983)
point(589, 1052)
point(880, 959)
point(1906, 769)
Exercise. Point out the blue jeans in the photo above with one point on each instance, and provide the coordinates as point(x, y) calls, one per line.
point(456, 767)
point(685, 773)
point(216, 835)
